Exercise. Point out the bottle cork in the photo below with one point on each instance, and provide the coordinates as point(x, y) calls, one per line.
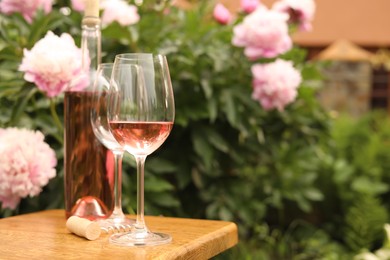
point(92, 8)
point(91, 13)
point(83, 227)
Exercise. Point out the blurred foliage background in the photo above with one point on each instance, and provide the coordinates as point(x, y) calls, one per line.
point(298, 183)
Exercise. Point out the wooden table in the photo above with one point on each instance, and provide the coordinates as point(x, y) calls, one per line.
point(43, 235)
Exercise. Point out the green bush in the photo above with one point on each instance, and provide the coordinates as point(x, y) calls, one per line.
point(358, 181)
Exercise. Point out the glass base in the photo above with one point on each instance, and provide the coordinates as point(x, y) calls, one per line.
point(140, 239)
point(111, 225)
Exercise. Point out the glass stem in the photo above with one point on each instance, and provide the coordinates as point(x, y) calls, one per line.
point(140, 225)
point(117, 213)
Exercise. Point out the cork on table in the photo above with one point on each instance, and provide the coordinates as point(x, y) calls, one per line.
point(44, 235)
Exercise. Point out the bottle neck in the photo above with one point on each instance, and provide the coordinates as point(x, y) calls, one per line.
point(91, 45)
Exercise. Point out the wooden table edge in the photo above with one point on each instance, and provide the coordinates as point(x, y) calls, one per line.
point(205, 246)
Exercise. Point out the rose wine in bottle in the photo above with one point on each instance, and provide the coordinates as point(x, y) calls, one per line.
point(88, 166)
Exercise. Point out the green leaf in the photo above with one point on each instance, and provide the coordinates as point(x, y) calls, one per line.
point(18, 110)
point(212, 106)
point(313, 194)
point(203, 148)
point(115, 31)
point(39, 27)
point(211, 210)
point(153, 184)
point(229, 107)
point(183, 177)
point(275, 199)
point(343, 171)
point(197, 178)
point(206, 86)
point(225, 214)
point(164, 200)
point(216, 139)
point(303, 204)
point(160, 165)
point(366, 185)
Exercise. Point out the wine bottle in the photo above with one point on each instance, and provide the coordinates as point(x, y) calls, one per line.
point(88, 166)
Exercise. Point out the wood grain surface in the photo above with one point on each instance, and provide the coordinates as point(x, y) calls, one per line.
point(43, 235)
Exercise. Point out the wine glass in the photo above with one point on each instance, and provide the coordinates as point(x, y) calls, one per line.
point(141, 112)
point(99, 121)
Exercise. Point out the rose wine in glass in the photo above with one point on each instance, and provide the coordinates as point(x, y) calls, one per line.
point(141, 137)
point(141, 113)
point(99, 121)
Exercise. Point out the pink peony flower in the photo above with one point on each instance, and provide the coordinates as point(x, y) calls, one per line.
point(248, 6)
point(54, 64)
point(301, 12)
point(263, 33)
point(119, 11)
point(27, 8)
point(78, 5)
point(275, 84)
point(222, 14)
point(27, 164)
